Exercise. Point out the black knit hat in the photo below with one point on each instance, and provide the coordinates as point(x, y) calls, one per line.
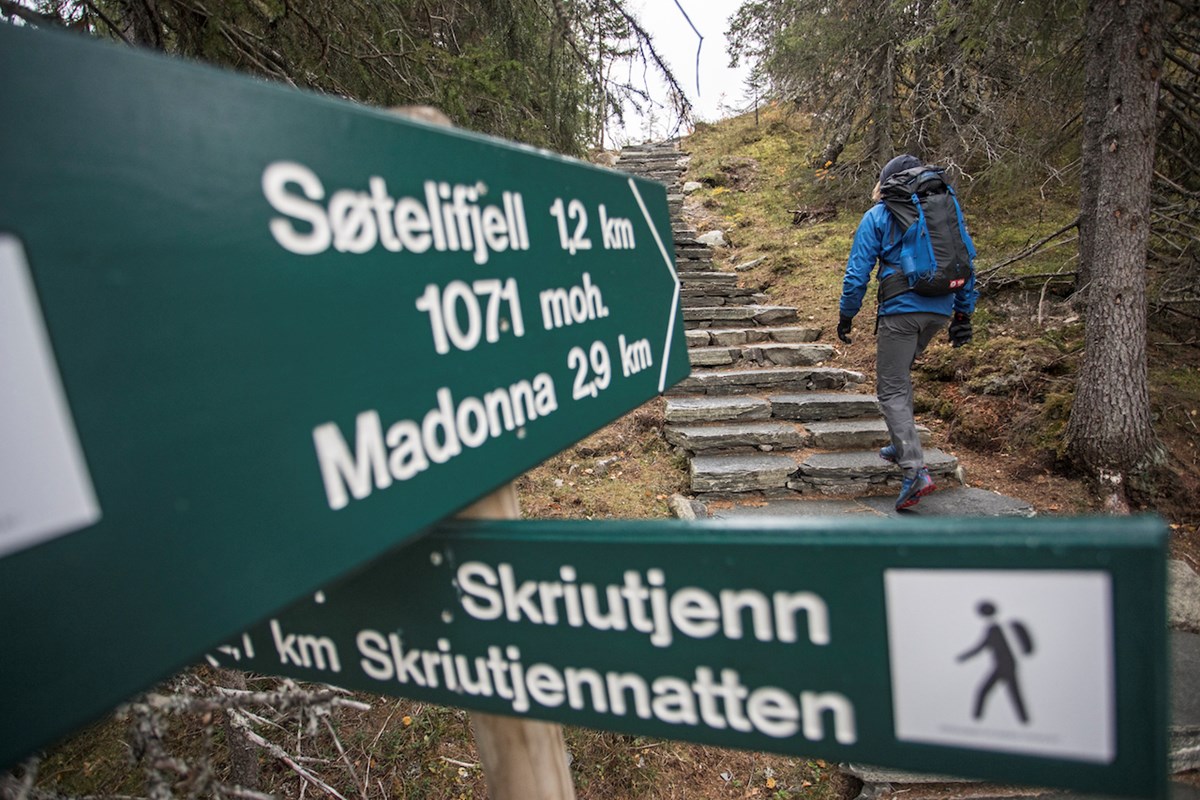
point(898, 164)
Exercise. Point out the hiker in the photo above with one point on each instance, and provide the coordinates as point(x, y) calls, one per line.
point(908, 316)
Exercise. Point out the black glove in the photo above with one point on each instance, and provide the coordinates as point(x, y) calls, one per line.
point(843, 330)
point(960, 329)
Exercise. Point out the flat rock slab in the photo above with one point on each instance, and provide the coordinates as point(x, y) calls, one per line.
point(749, 314)
point(756, 335)
point(834, 466)
point(1185, 701)
point(952, 500)
point(693, 300)
point(741, 473)
point(751, 381)
point(817, 406)
point(709, 277)
point(957, 501)
point(860, 473)
point(797, 507)
point(854, 434)
point(714, 356)
point(769, 355)
point(719, 313)
point(790, 355)
point(714, 289)
point(1183, 598)
point(871, 774)
point(716, 409)
point(765, 435)
point(1185, 690)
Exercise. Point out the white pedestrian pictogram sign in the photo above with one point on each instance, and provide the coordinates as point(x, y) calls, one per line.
point(1007, 661)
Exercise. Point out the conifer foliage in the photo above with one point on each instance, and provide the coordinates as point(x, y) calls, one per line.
point(959, 80)
point(546, 72)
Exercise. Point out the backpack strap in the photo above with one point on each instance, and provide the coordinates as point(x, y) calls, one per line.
point(895, 283)
point(962, 226)
point(922, 225)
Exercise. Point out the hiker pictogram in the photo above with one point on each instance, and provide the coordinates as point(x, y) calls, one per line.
point(1004, 658)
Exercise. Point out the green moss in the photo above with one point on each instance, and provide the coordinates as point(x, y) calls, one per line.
point(1182, 378)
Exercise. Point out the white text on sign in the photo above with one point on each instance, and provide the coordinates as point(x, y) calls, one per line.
point(572, 218)
point(448, 218)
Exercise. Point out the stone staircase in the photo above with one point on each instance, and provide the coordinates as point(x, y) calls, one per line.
point(772, 430)
point(763, 417)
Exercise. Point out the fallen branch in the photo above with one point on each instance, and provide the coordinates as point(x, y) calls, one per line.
point(1000, 283)
point(983, 275)
point(281, 754)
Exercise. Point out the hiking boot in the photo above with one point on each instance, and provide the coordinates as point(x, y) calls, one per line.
point(914, 488)
point(888, 453)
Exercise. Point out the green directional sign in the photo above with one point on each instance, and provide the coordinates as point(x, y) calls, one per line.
point(250, 338)
point(1029, 651)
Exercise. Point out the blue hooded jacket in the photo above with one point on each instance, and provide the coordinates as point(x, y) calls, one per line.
point(877, 241)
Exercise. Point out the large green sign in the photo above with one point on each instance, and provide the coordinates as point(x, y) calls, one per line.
point(250, 338)
point(1016, 650)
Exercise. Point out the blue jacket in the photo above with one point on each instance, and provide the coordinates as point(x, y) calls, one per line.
point(877, 240)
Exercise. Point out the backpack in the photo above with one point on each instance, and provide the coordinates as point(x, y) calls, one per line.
point(1024, 638)
point(936, 252)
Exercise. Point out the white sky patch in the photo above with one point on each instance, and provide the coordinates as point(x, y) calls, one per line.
point(721, 87)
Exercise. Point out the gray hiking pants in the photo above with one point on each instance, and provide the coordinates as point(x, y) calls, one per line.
point(899, 340)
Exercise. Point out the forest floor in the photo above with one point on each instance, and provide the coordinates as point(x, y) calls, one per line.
point(999, 405)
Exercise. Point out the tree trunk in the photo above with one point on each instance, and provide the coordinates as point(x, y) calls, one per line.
point(1109, 433)
point(1097, 46)
point(884, 112)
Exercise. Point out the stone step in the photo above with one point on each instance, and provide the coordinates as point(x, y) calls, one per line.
point(816, 406)
point(766, 435)
point(665, 173)
point(707, 317)
point(728, 408)
point(707, 296)
point(691, 249)
point(706, 300)
point(741, 473)
point(652, 155)
point(652, 158)
point(809, 407)
point(948, 500)
point(767, 380)
point(712, 337)
point(698, 283)
point(651, 169)
point(853, 434)
point(708, 277)
point(776, 435)
point(777, 355)
point(861, 472)
point(720, 289)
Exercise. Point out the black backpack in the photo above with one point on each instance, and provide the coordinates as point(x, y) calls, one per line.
point(936, 252)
